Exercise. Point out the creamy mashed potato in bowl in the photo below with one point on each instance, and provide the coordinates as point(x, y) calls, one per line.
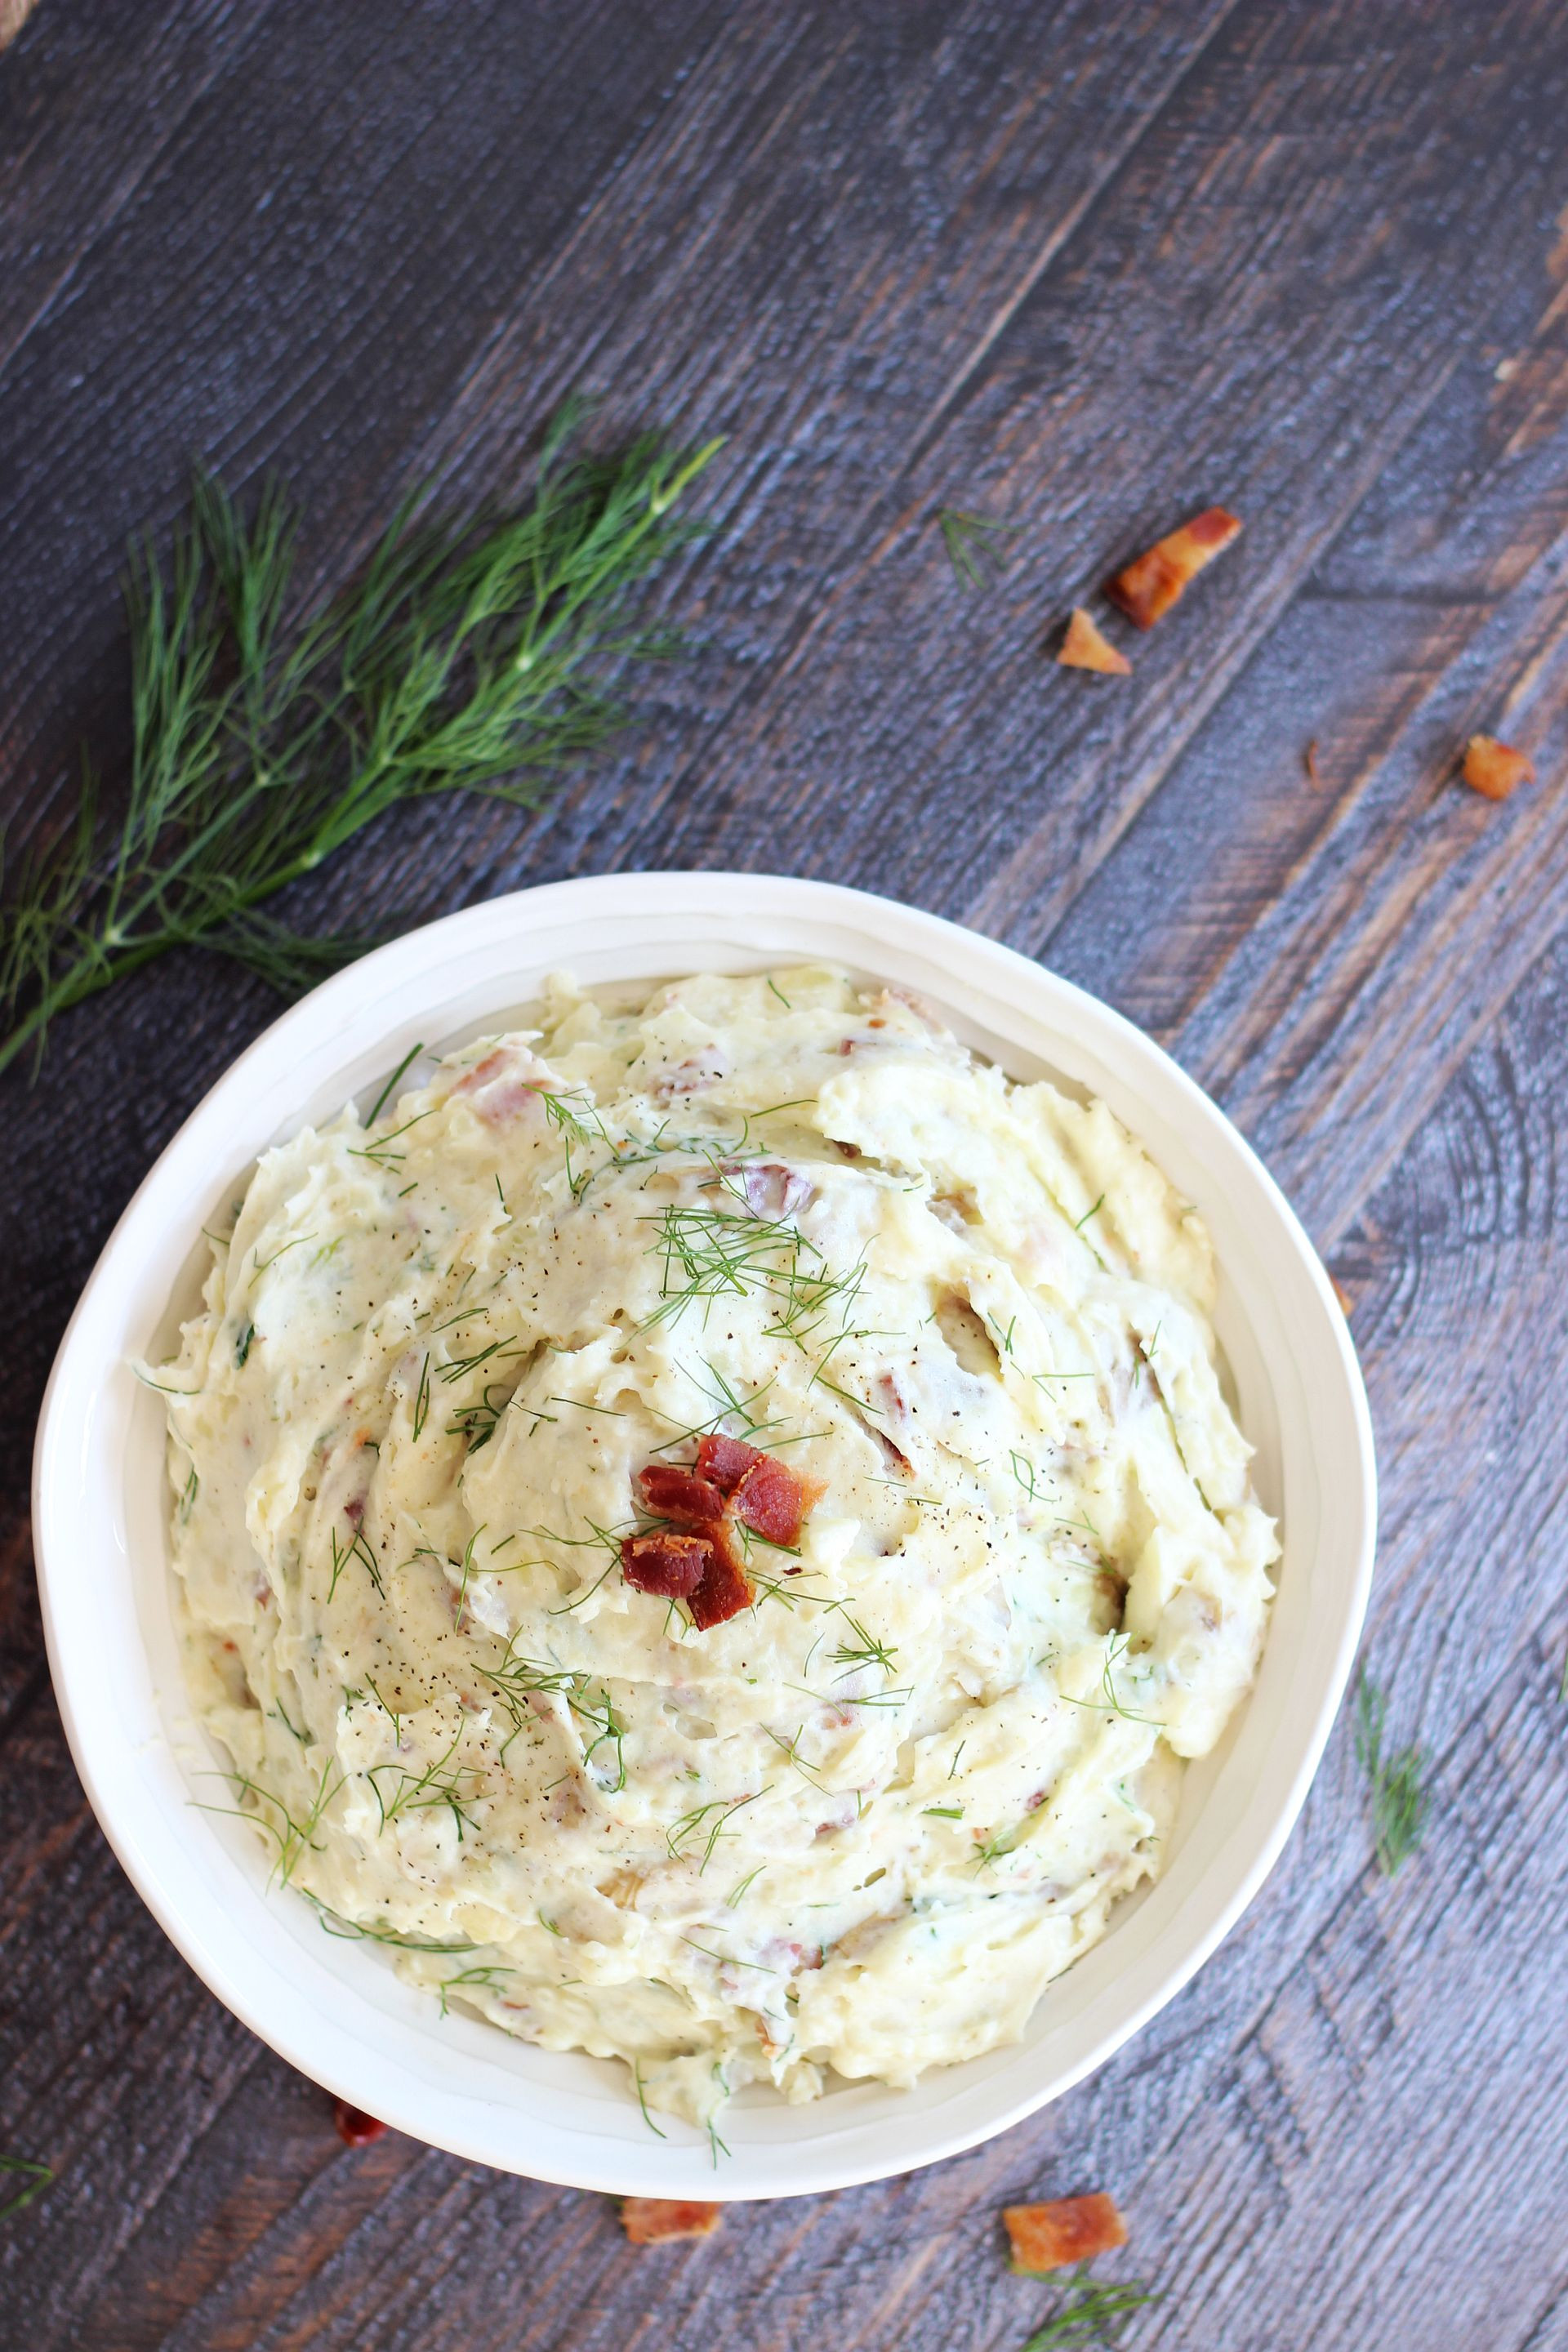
point(711, 1530)
point(785, 1666)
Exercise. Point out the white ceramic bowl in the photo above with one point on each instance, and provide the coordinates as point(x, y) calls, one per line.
point(335, 2009)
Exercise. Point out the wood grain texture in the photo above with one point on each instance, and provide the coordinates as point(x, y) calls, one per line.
point(1085, 269)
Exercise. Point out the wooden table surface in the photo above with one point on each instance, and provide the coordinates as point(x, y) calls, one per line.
point(1084, 266)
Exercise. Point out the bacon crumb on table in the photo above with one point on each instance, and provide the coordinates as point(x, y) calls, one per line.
point(1084, 648)
point(1152, 582)
point(649, 2221)
point(1493, 769)
point(1071, 2230)
point(355, 2128)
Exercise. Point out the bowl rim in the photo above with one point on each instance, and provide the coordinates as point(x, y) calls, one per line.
point(358, 992)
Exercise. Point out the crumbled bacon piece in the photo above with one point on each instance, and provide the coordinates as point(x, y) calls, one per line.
point(1084, 648)
point(1071, 2230)
point(723, 1592)
point(1494, 769)
point(1152, 582)
point(771, 1499)
point(726, 1460)
point(355, 2128)
point(649, 2221)
point(673, 1567)
point(731, 1481)
point(671, 1492)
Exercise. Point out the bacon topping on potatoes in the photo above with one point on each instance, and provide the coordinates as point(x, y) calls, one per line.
point(1494, 769)
point(1070, 2230)
point(670, 1566)
point(1152, 582)
point(695, 1561)
point(649, 2221)
point(669, 1491)
point(1083, 647)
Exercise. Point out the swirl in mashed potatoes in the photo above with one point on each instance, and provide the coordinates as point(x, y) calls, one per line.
point(832, 1771)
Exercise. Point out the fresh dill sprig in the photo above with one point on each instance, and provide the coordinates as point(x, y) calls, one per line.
point(271, 1816)
point(487, 1977)
point(970, 543)
point(1399, 1799)
point(642, 2100)
point(333, 1923)
point(264, 737)
point(1091, 2315)
point(35, 2177)
point(439, 1785)
point(1116, 1650)
point(699, 1823)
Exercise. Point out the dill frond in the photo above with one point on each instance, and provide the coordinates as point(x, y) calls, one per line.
point(1399, 1797)
point(467, 657)
point(970, 543)
point(1091, 2315)
point(35, 2177)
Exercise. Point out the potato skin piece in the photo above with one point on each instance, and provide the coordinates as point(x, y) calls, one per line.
point(1148, 587)
point(650, 2220)
point(1070, 2230)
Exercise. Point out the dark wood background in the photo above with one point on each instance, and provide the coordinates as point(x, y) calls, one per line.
point(1084, 264)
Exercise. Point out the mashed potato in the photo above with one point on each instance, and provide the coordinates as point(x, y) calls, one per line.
point(860, 1823)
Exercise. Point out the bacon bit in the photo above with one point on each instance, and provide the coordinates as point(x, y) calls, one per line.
point(1152, 582)
point(1309, 760)
point(649, 2221)
point(1493, 769)
point(723, 1592)
point(355, 2128)
point(1084, 648)
point(671, 1492)
point(726, 1460)
point(771, 1499)
point(1071, 2230)
point(673, 1567)
point(1347, 1304)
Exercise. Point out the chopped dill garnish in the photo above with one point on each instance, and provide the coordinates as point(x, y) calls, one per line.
point(1092, 2314)
point(381, 1101)
point(290, 1837)
point(188, 1494)
point(1090, 1212)
point(970, 540)
point(422, 1400)
point(944, 1812)
point(716, 2144)
point(485, 1976)
point(242, 1347)
point(642, 2101)
point(439, 1785)
point(693, 1824)
point(1399, 1800)
point(35, 2177)
point(775, 990)
point(332, 1923)
point(380, 1152)
point(864, 1651)
point(266, 733)
point(1116, 1650)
